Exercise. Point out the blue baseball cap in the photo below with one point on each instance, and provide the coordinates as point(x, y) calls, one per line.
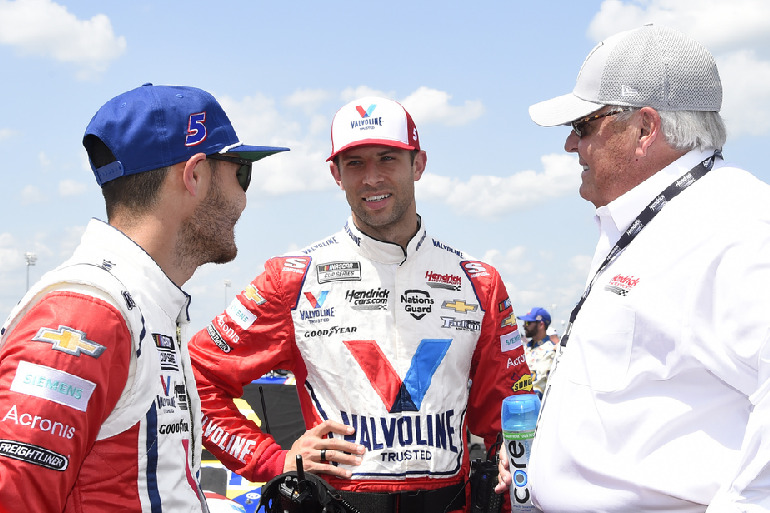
point(537, 314)
point(157, 126)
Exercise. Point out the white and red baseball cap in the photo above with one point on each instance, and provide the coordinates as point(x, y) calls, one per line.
point(373, 121)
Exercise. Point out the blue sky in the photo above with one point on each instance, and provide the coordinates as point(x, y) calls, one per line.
point(497, 186)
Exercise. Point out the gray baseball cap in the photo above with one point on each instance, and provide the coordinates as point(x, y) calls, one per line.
point(651, 66)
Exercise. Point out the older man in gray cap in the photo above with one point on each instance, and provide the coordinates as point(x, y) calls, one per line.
point(660, 397)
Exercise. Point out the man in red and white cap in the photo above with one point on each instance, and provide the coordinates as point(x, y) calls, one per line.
point(383, 326)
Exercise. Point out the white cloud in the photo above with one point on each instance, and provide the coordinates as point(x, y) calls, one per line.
point(9, 253)
point(43, 159)
point(736, 32)
point(45, 28)
point(492, 196)
point(351, 93)
point(717, 24)
point(514, 261)
point(31, 194)
point(71, 188)
point(308, 100)
point(746, 98)
point(257, 121)
point(428, 105)
point(6, 133)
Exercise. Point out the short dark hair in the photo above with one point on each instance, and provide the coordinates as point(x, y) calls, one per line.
point(135, 193)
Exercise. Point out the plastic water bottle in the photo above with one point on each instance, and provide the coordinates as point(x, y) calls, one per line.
point(519, 418)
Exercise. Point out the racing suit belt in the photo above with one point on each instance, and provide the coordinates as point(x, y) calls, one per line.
point(440, 500)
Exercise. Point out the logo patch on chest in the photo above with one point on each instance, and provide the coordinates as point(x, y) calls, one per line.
point(621, 285)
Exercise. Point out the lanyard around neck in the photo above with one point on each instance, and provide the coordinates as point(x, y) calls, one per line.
point(642, 220)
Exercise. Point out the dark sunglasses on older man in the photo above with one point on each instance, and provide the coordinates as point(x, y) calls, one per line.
point(244, 171)
point(579, 125)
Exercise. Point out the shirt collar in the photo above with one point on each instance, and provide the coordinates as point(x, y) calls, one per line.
point(105, 246)
point(381, 251)
point(615, 217)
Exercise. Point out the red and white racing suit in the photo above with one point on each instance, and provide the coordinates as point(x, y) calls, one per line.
point(381, 338)
point(98, 405)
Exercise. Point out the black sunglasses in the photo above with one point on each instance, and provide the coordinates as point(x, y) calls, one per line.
point(579, 125)
point(244, 172)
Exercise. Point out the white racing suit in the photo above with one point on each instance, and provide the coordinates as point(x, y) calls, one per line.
point(97, 397)
point(410, 347)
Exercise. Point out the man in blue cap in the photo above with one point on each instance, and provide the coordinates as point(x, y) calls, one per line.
point(97, 396)
point(539, 347)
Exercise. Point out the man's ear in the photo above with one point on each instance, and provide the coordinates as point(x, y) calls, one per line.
point(420, 161)
point(650, 130)
point(335, 171)
point(193, 174)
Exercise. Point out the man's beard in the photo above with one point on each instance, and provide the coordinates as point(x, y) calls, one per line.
point(209, 234)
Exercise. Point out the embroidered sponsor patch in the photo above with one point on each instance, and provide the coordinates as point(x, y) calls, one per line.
point(443, 281)
point(509, 321)
point(163, 341)
point(510, 341)
point(38, 423)
point(460, 324)
point(217, 339)
point(52, 385)
point(372, 299)
point(523, 383)
point(459, 306)
point(166, 351)
point(417, 303)
point(240, 314)
point(621, 285)
point(295, 265)
point(33, 454)
point(339, 271)
point(252, 294)
point(475, 269)
point(69, 340)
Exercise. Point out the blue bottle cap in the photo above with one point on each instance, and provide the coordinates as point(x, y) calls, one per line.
point(519, 412)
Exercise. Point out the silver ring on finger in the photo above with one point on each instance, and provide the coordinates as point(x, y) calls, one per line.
point(323, 456)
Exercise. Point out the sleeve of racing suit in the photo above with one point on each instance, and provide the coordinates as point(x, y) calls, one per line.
point(62, 370)
point(499, 367)
point(253, 336)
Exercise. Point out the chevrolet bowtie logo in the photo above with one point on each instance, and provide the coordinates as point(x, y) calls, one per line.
point(251, 292)
point(459, 306)
point(69, 341)
point(509, 321)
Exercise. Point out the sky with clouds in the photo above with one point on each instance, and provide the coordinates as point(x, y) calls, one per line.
point(497, 186)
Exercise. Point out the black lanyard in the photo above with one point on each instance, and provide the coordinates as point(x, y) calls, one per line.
point(642, 220)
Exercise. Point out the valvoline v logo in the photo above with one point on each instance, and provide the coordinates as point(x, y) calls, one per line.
point(317, 302)
point(166, 384)
point(366, 113)
point(399, 396)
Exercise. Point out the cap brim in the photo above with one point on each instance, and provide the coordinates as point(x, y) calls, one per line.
point(372, 142)
point(255, 153)
point(562, 110)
